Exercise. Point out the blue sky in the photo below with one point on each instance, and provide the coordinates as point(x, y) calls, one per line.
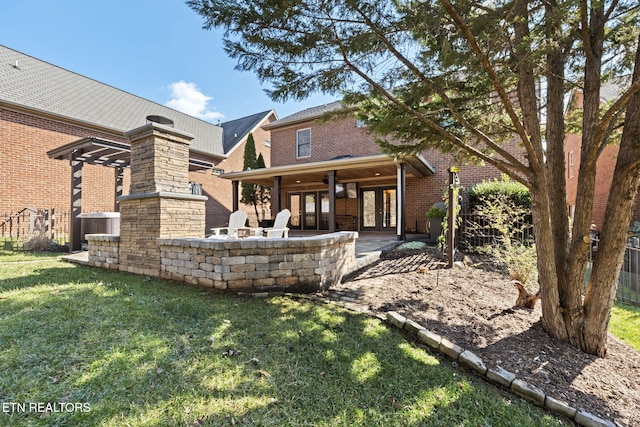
point(153, 49)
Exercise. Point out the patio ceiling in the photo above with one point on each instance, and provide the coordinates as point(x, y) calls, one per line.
point(349, 169)
point(108, 153)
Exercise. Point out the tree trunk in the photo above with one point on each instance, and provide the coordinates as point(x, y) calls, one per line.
point(601, 290)
point(555, 136)
point(552, 320)
point(255, 208)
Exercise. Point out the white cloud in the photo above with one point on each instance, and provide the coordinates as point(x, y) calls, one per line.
point(186, 97)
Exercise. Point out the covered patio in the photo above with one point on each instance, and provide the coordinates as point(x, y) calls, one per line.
point(364, 179)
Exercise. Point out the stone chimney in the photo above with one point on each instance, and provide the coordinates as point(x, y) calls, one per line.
point(159, 204)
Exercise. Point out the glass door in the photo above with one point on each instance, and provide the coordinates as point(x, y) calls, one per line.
point(324, 210)
point(378, 209)
point(295, 207)
point(389, 210)
point(368, 209)
point(310, 211)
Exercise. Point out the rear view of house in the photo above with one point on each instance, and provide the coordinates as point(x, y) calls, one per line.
point(332, 176)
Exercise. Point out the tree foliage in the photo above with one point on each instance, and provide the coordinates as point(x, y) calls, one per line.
point(485, 81)
point(248, 190)
point(263, 194)
point(255, 195)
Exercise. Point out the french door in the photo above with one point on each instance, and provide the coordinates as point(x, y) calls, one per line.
point(309, 210)
point(378, 210)
point(295, 206)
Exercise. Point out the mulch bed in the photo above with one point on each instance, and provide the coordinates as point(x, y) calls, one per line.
point(474, 308)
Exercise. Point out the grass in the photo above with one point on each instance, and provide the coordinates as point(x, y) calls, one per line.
point(19, 256)
point(625, 324)
point(628, 287)
point(146, 352)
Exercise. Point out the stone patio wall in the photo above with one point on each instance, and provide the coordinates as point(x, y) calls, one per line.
point(301, 264)
point(162, 232)
point(104, 250)
point(304, 264)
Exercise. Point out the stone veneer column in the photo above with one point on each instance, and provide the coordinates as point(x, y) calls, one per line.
point(159, 204)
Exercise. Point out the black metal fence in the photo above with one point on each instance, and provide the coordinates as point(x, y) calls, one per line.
point(476, 230)
point(16, 228)
point(628, 290)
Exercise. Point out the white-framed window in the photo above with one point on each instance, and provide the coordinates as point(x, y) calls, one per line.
point(303, 143)
point(570, 161)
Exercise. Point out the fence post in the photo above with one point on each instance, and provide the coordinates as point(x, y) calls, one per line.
point(53, 224)
point(452, 211)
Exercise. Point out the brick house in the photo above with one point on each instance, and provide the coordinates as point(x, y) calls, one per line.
point(605, 166)
point(234, 140)
point(333, 176)
point(48, 114)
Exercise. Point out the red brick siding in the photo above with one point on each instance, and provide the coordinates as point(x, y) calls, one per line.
point(30, 178)
point(605, 167)
point(342, 137)
point(328, 140)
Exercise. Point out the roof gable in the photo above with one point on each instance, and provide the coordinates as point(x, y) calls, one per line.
point(41, 87)
point(235, 131)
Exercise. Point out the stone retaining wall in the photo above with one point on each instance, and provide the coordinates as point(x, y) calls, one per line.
point(104, 250)
point(302, 264)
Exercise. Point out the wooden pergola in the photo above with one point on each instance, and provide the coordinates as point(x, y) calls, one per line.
point(102, 152)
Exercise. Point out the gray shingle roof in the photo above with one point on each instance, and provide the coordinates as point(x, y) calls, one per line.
point(37, 85)
point(236, 130)
point(307, 114)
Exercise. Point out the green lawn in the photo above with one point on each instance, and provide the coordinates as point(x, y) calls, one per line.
point(146, 352)
point(625, 324)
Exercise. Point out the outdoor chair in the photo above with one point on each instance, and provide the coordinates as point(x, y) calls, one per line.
point(279, 228)
point(237, 220)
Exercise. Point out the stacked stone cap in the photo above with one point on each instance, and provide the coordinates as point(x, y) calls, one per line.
point(159, 159)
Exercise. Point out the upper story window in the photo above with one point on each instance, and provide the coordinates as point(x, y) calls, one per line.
point(303, 143)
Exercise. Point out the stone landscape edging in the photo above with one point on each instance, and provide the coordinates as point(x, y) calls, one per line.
point(498, 376)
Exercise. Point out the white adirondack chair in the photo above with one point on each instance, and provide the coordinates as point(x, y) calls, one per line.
point(237, 220)
point(279, 228)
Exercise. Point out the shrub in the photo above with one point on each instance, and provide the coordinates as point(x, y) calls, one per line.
point(511, 246)
point(513, 192)
point(436, 212)
point(412, 245)
point(39, 243)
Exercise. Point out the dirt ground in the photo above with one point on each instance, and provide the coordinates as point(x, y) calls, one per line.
point(473, 307)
